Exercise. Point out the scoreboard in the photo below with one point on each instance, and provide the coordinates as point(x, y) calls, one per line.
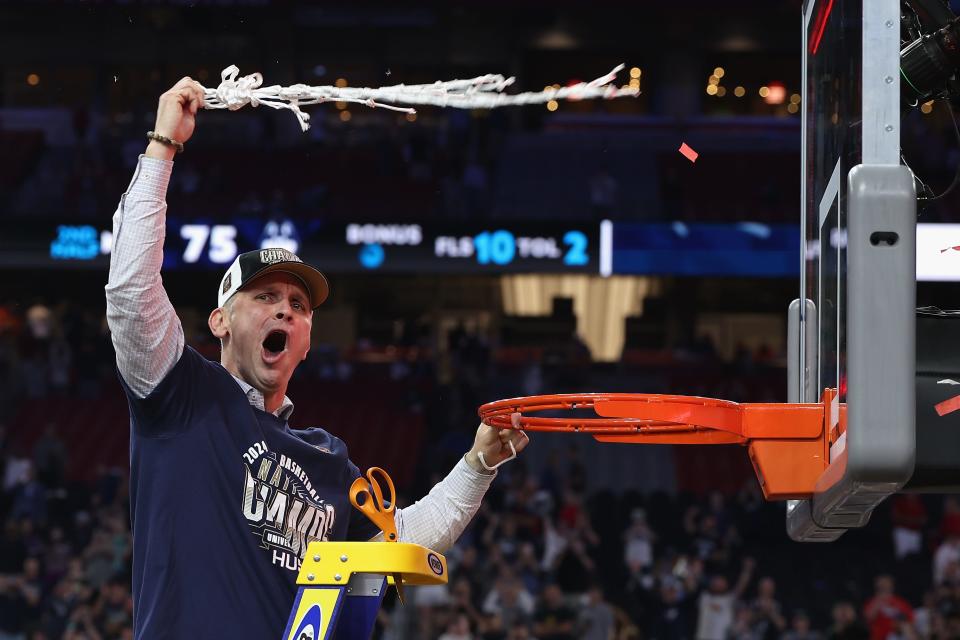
point(604, 248)
point(336, 247)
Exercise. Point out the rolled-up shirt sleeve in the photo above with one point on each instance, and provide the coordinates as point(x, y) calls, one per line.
point(146, 332)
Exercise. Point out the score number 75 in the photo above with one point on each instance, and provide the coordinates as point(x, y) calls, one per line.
point(222, 242)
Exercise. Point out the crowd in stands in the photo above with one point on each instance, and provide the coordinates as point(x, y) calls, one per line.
point(449, 165)
point(80, 170)
point(629, 565)
point(545, 558)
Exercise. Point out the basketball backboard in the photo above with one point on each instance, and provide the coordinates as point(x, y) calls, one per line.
point(853, 327)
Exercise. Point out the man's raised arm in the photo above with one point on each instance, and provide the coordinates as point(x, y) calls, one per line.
point(146, 332)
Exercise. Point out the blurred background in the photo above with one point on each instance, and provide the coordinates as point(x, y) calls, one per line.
point(473, 255)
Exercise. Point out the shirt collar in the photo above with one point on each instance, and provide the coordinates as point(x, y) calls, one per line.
point(255, 398)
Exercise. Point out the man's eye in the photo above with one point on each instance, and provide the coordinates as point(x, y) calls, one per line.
point(262, 296)
point(298, 306)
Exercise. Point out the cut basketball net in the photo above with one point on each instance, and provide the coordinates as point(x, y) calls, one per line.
point(482, 92)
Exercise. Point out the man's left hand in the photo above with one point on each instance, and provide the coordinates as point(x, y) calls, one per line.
point(495, 445)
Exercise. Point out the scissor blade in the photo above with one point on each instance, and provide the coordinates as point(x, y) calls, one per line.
point(398, 581)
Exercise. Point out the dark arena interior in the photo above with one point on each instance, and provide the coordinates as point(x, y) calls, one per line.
point(650, 243)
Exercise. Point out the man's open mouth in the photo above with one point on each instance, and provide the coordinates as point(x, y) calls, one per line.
point(275, 343)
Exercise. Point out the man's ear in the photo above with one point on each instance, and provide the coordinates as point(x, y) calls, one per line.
point(219, 323)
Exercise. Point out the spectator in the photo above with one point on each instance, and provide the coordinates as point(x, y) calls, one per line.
point(909, 517)
point(924, 617)
point(60, 361)
point(57, 612)
point(467, 568)
point(12, 550)
point(50, 457)
point(768, 618)
point(114, 608)
point(800, 628)
point(946, 556)
point(885, 611)
point(950, 520)
point(29, 498)
point(20, 598)
point(743, 626)
point(718, 603)
point(596, 618)
point(553, 619)
point(81, 625)
point(491, 628)
point(520, 631)
point(639, 540)
point(510, 600)
point(502, 531)
point(461, 598)
point(31, 587)
point(40, 322)
point(947, 622)
point(671, 614)
point(33, 541)
point(458, 629)
point(528, 568)
point(99, 559)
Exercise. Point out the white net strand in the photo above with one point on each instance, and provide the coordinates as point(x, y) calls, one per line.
point(482, 92)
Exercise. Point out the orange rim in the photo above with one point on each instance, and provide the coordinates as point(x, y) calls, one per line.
point(787, 443)
point(676, 414)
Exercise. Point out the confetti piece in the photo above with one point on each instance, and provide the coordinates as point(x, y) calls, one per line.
point(688, 153)
point(948, 406)
point(949, 249)
point(947, 381)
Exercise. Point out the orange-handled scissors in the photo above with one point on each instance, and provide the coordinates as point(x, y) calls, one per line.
point(367, 496)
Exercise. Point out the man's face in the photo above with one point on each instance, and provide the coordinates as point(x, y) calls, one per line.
point(553, 596)
point(884, 585)
point(265, 329)
point(718, 585)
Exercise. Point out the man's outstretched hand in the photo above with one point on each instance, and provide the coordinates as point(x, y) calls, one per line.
point(495, 445)
point(176, 116)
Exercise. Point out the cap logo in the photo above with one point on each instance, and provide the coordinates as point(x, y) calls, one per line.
point(271, 256)
point(226, 283)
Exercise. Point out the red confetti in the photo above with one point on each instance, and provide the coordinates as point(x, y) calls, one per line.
point(949, 249)
point(688, 153)
point(948, 406)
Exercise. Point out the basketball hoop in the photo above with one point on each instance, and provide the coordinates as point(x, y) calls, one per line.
point(788, 444)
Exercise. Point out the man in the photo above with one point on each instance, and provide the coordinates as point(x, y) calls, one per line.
point(596, 619)
point(553, 619)
point(886, 612)
point(717, 604)
point(224, 495)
